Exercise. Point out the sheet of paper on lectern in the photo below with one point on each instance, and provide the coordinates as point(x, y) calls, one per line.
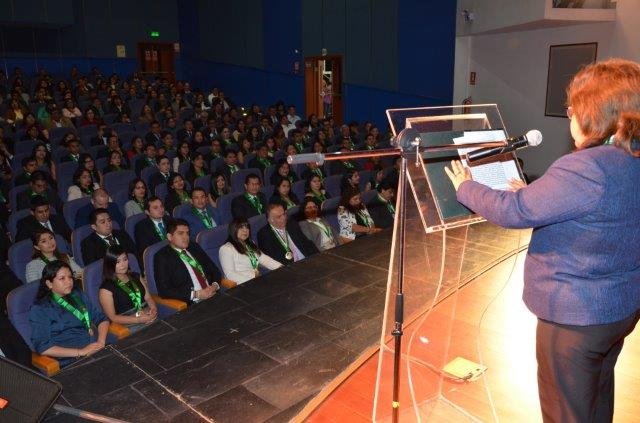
point(461, 368)
point(496, 174)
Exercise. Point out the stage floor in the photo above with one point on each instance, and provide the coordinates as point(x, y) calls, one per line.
point(260, 352)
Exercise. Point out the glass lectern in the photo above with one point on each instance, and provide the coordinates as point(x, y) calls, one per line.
point(444, 368)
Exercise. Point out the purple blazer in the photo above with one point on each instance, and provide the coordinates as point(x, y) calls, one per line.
point(583, 263)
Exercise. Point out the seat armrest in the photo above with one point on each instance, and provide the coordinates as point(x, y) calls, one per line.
point(47, 365)
point(176, 305)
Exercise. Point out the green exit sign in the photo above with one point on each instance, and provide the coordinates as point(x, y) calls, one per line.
point(154, 34)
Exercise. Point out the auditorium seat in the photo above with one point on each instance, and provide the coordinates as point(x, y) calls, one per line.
point(117, 181)
point(298, 189)
point(211, 240)
point(256, 223)
point(146, 174)
point(170, 305)
point(329, 210)
point(14, 218)
point(131, 222)
point(238, 178)
point(203, 182)
point(332, 185)
point(224, 206)
point(70, 208)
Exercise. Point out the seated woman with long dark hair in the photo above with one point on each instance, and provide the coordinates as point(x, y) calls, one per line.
point(64, 323)
point(353, 216)
point(177, 192)
point(218, 188)
point(197, 168)
point(123, 295)
point(82, 185)
point(45, 250)
point(240, 257)
point(282, 194)
point(137, 198)
point(313, 188)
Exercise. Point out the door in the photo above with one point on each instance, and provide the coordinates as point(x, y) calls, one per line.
point(157, 59)
point(323, 86)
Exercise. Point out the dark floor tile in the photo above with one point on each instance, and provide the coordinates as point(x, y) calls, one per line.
point(363, 336)
point(303, 376)
point(320, 265)
point(125, 404)
point(361, 275)
point(154, 330)
point(187, 344)
point(146, 363)
point(266, 286)
point(289, 339)
point(288, 304)
point(211, 374)
point(153, 392)
point(329, 287)
point(97, 378)
point(347, 312)
point(288, 414)
point(237, 405)
point(209, 309)
point(188, 416)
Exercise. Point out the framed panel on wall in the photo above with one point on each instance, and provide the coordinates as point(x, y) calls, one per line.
point(564, 62)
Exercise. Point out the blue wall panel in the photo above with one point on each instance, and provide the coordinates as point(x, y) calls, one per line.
point(281, 20)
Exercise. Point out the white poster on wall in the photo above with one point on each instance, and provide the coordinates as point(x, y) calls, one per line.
point(121, 51)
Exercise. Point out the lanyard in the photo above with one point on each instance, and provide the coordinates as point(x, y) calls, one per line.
point(324, 228)
point(364, 217)
point(79, 311)
point(320, 196)
point(45, 259)
point(140, 204)
point(132, 290)
point(184, 197)
point(289, 202)
point(191, 261)
point(348, 164)
point(265, 162)
point(160, 232)
point(253, 199)
point(284, 241)
point(253, 257)
point(318, 172)
point(299, 147)
point(389, 206)
point(204, 217)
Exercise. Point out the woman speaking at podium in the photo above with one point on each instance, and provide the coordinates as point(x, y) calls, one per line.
point(582, 271)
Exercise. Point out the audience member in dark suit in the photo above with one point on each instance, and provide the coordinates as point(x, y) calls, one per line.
point(338, 167)
point(153, 228)
point(75, 148)
point(41, 216)
point(262, 160)
point(149, 158)
point(282, 240)
point(182, 269)
point(187, 131)
point(200, 217)
point(313, 169)
point(252, 202)
point(154, 136)
point(38, 186)
point(99, 200)
point(382, 208)
point(162, 177)
point(102, 136)
point(230, 165)
point(95, 245)
point(29, 165)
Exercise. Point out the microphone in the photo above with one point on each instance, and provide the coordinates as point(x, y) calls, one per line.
point(306, 158)
point(532, 138)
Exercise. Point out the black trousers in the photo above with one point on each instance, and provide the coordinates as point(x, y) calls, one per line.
point(576, 369)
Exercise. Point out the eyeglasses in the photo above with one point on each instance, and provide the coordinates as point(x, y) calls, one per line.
point(569, 112)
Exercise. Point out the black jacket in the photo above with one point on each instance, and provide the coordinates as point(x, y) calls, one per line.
point(242, 208)
point(271, 246)
point(27, 225)
point(146, 235)
point(380, 214)
point(172, 277)
point(94, 248)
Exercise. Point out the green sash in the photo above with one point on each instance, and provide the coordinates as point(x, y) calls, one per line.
point(78, 309)
point(132, 290)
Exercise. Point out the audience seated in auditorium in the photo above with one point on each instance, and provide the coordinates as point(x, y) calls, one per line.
point(350, 180)
point(183, 154)
point(252, 202)
point(82, 186)
point(103, 236)
point(313, 188)
point(153, 228)
point(182, 269)
point(314, 227)
point(177, 192)
point(262, 160)
point(86, 162)
point(41, 217)
point(162, 176)
point(383, 208)
point(283, 171)
point(38, 187)
point(43, 158)
point(313, 169)
point(137, 198)
point(102, 136)
point(230, 165)
point(99, 200)
point(154, 136)
point(283, 240)
point(217, 188)
point(45, 250)
point(197, 168)
point(148, 160)
point(74, 148)
point(353, 217)
point(29, 165)
point(240, 257)
point(200, 216)
point(124, 296)
point(64, 322)
point(282, 194)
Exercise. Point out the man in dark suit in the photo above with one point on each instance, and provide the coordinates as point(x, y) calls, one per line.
point(149, 158)
point(381, 208)
point(186, 133)
point(74, 148)
point(29, 165)
point(95, 245)
point(200, 217)
point(182, 269)
point(230, 165)
point(102, 136)
point(41, 216)
point(162, 176)
point(153, 228)
point(262, 160)
point(99, 200)
point(38, 186)
point(154, 136)
point(252, 202)
point(282, 240)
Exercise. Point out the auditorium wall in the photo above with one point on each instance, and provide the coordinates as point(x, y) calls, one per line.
point(511, 70)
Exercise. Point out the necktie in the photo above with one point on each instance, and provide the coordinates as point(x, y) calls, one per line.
point(161, 227)
point(111, 240)
point(47, 225)
point(199, 276)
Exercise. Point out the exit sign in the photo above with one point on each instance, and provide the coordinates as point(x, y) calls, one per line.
point(154, 34)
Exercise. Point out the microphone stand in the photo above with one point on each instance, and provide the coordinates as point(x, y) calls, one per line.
point(406, 140)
